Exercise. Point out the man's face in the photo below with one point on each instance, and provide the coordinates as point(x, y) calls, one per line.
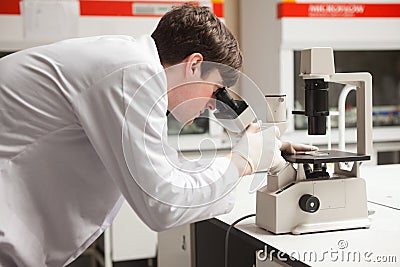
point(186, 101)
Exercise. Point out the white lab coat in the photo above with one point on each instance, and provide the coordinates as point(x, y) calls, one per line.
point(82, 121)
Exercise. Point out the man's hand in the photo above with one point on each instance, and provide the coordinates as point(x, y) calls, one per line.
point(289, 148)
point(260, 148)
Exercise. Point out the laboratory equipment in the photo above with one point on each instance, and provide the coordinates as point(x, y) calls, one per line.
point(304, 197)
point(235, 115)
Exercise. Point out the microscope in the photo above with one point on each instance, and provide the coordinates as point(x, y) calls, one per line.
point(303, 197)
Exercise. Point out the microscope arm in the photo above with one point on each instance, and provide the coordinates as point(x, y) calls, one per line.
point(342, 110)
point(363, 82)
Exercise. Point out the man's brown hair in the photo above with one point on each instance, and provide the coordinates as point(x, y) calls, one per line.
point(188, 29)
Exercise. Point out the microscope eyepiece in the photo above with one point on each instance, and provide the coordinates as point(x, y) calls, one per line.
point(223, 96)
point(226, 106)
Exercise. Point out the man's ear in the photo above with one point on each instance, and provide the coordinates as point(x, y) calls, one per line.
point(193, 66)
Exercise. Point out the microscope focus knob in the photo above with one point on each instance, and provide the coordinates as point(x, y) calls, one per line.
point(309, 203)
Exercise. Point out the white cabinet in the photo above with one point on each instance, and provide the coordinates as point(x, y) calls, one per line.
point(129, 238)
point(176, 247)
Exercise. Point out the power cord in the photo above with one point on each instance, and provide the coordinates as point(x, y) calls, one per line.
point(227, 236)
point(383, 205)
point(252, 215)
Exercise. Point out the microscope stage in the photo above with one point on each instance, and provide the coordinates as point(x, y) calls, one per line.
point(325, 156)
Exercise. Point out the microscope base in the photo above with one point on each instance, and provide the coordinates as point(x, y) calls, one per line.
point(336, 204)
point(331, 226)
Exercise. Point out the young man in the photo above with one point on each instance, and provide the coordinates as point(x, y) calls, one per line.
point(83, 126)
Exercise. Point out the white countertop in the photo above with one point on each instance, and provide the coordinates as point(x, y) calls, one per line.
point(370, 245)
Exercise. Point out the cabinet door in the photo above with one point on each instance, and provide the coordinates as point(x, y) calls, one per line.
point(176, 247)
point(131, 239)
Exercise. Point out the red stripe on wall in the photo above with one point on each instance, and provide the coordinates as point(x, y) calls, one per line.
point(9, 7)
point(218, 9)
point(106, 8)
point(357, 10)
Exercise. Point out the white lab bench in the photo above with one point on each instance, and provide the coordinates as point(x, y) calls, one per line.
point(356, 247)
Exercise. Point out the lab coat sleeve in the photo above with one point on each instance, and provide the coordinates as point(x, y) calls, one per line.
point(124, 117)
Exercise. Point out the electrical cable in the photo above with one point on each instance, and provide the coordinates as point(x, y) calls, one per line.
point(252, 215)
point(383, 205)
point(227, 236)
